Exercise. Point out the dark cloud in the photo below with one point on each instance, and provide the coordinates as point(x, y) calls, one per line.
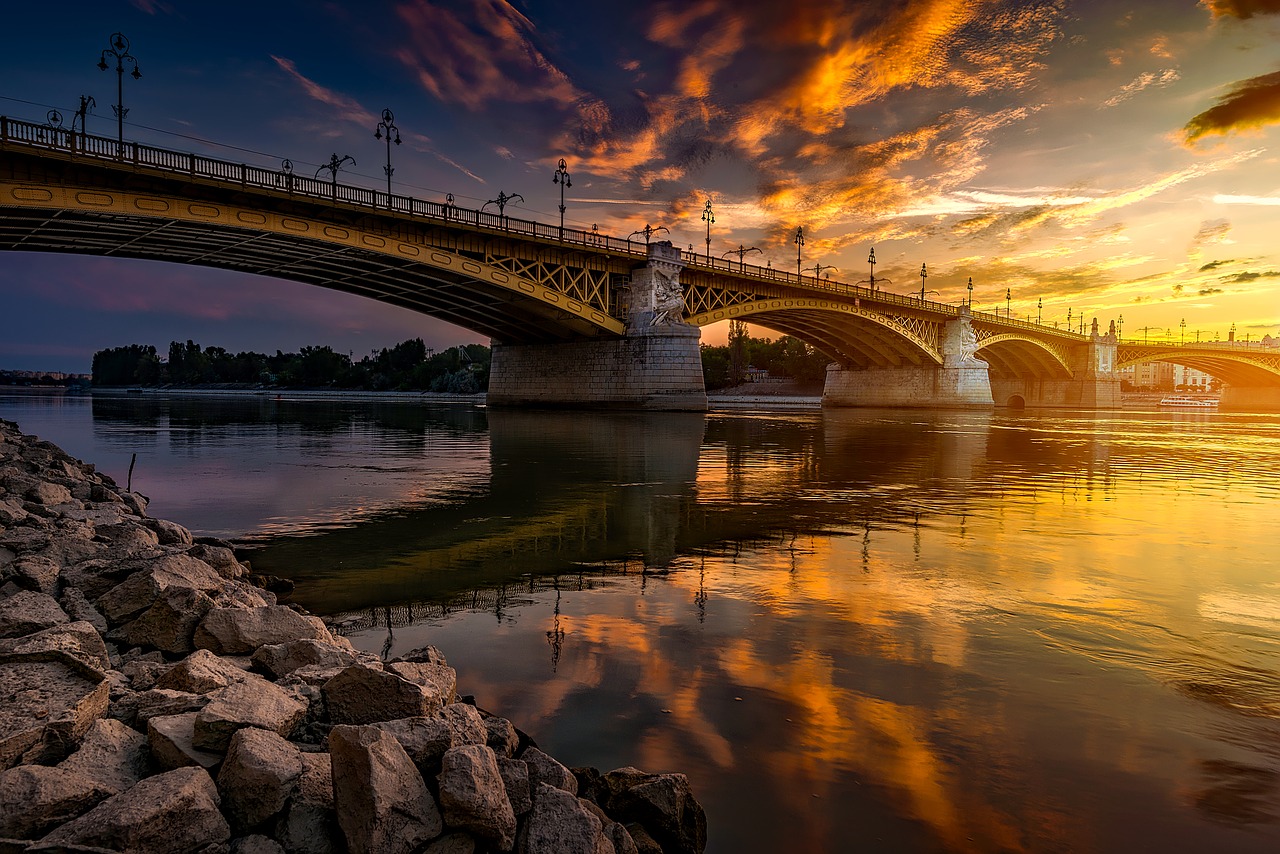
point(1213, 265)
point(1204, 292)
point(1241, 8)
point(1237, 278)
point(1253, 103)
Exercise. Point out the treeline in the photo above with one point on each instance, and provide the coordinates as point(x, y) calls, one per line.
point(729, 365)
point(408, 366)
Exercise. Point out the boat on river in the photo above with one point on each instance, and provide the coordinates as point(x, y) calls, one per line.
point(1182, 401)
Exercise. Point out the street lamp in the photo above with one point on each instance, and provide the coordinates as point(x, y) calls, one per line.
point(971, 293)
point(1121, 324)
point(86, 101)
point(1008, 297)
point(334, 164)
point(561, 177)
point(1182, 331)
point(1068, 320)
point(818, 268)
point(501, 202)
point(120, 50)
point(708, 217)
point(871, 259)
point(648, 231)
point(799, 246)
point(1039, 308)
point(388, 124)
point(924, 274)
point(741, 252)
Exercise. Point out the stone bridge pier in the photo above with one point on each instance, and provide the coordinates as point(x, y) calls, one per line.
point(1093, 383)
point(656, 365)
point(960, 382)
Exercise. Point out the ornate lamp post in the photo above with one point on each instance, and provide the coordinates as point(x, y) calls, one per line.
point(1182, 331)
point(971, 293)
point(334, 164)
point(1068, 319)
point(741, 252)
point(449, 205)
point(818, 268)
point(119, 49)
point(86, 102)
point(387, 125)
point(708, 217)
point(871, 259)
point(561, 177)
point(799, 245)
point(1008, 298)
point(924, 274)
point(501, 202)
point(1121, 325)
point(648, 231)
point(1039, 306)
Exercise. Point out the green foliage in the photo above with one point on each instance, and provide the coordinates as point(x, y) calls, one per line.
point(408, 366)
point(786, 357)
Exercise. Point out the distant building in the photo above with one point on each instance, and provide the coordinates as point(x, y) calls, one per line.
point(1165, 376)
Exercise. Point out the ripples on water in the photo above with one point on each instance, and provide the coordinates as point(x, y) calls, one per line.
point(857, 630)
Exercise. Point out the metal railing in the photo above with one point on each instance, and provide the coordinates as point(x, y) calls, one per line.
point(15, 132)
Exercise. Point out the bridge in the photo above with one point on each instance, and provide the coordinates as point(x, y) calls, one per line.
point(576, 318)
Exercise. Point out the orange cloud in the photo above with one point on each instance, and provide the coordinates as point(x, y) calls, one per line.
point(1253, 103)
point(1241, 8)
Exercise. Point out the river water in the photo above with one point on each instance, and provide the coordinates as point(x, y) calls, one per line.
point(854, 630)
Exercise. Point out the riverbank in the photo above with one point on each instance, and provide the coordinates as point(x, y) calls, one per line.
point(160, 700)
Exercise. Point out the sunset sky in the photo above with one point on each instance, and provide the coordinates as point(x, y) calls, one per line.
point(1115, 158)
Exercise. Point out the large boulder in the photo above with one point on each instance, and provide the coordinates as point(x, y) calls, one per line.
point(309, 824)
point(561, 824)
point(172, 738)
point(170, 621)
point(473, 797)
point(27, 611)
point(440, 680)
point(78, 607)
point(48, 494)
point(662, 803)
point(546, 769)
point(256, 703)
point(362, 695)
point(171, 813)
point(112, 755)
point(281, 659)
point(80, 640)
point(131, 597)
point(259, 774)
point(35, 799)
point(383, 805)
point(51, 701)
point(36, 573)
point(240, 631)
point(202, 672)
point(515, 778)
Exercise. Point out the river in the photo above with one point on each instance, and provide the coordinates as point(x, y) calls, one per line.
point(854, 630)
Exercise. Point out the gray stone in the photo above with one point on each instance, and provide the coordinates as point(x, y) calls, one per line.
point(309, 824)
point(616, 833)
point(473, 797)
point(545, 769)
point(221, 558)
point(452, 843)
point(663, 803)
point(382, 802)
point(259, 774)
point(128, 539)
point(27, 611)
point(255, 703)
point(112, 755)
point(425, 739)
point(361, 695)
point(256, 844)
point(172, 742)
point(159, 702)
point(77, 607)
point(440, 680)
point(466, 723)
point(143, 673)
point(80, 640)
point(36, 573)
point(202, 672)
point(47, 493)
point(169, 533)
point(171, 813)
point(424, 655)
point(51, 700)
point(501, 736)
point(281, 659)
point(515, 777)
point(135, 502)
point(560, 824)
point(243, 630)
point(171, 620)
point(35, 799)
point(131, 597)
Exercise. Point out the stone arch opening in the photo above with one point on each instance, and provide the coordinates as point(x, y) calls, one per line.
point(1016, 401)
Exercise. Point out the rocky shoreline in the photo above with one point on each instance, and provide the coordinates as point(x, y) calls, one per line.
point(153, 698)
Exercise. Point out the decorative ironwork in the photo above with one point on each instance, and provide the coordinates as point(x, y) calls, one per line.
point(589, 286)
point(119, 50)
point(388, 124)
point(562, 178)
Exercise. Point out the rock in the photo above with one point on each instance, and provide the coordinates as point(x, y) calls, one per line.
point(441, 681)
point(309, 824)
point(50, 701)
point(473, 797)
point(257, 777)
point(76, 606)
point(243, 630)
point(112, 755)
point(135, 502)
point(382, 802)
point(36, 573)
point(662, 803)
point(425, 739)
point(501, 736)
point(200, 673)
point(142, 674)
point(131, 597)
point(169, 533)
point(128, 539)
point(362, 695)
point(424, 655)
point(221, 558)
point(545, 769)
point(560, 824)
point(48, 493)
point(614, 832)
point(251, 703)
point(170, 622)
point(27, 611)
point(35, 799)
point(256, 844)
point(171, 813)
point(172, 742)
point(515, 777)
point(452, 843)
point(281, 659)
point(79, 640)
point(158, 702)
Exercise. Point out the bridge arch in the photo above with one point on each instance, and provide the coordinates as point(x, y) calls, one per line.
point(1245, 367)
point(1013, 354)
point(850, 334)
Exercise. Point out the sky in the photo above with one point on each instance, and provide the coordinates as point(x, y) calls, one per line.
point(1116, 158)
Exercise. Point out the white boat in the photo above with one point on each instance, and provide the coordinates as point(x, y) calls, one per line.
point(1183, 401)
